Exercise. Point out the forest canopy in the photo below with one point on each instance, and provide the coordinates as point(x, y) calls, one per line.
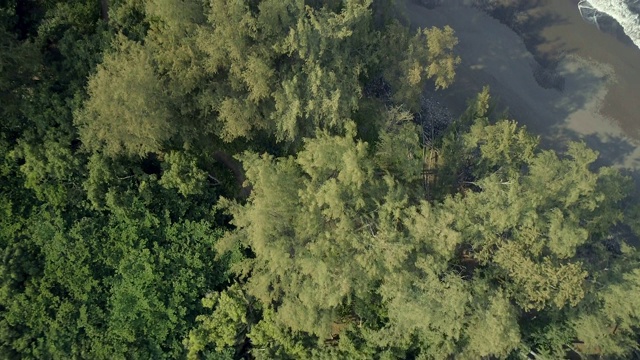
point(256, 179)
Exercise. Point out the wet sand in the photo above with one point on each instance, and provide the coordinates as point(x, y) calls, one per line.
point(565, 31)
point(600, 100)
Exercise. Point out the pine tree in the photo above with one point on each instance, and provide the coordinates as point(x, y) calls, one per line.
point(127, 111)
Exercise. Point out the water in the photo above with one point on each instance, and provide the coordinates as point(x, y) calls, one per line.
point(626, 14)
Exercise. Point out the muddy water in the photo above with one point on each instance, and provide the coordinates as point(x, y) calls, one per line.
point(566, 32)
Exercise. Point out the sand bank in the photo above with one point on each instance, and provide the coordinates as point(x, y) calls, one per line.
point(585, 109)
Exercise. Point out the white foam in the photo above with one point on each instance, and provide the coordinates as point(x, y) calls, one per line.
point(622, 13)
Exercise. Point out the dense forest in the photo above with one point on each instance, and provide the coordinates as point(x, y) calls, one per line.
point(226, 179)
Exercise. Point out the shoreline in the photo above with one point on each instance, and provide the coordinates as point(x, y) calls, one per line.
point(553, 29)
point(588, 95)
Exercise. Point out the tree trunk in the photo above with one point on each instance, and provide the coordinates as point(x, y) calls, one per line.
point(104, 10)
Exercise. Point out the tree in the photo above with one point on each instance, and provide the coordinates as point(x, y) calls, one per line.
point(287, 70)
point(117, 285)
point(349, 238)
point(18, 65)
point(340, 236)
point(99, 259)
point(183, 174)
point(427, 55)
point(290, 69)
point(226, 327)
point(128, 116)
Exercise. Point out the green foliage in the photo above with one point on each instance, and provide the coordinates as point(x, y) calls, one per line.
point(128, 17)
point(355, 242)
point(226, 327)
point(610, 325)
point(493, 328)
point(238, 70)
point(18, 66)
point(397, 150)
point(504, 147)
point(427, 55)
point(137, 102)
point(105, 283)
point(51, 171)
point(290, 68)
point(530, 224)
point(341, 225)
point(99, 260)
point(442, 64)
point(183, 174)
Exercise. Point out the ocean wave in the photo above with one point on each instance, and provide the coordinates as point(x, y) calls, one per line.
point(626, 13)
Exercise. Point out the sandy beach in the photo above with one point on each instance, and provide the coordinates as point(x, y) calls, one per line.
point(598, 101)
point(565, 31)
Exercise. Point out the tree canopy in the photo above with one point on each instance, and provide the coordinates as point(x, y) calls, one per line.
point(239, 70)
point(248, 180)
point(346, 248)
